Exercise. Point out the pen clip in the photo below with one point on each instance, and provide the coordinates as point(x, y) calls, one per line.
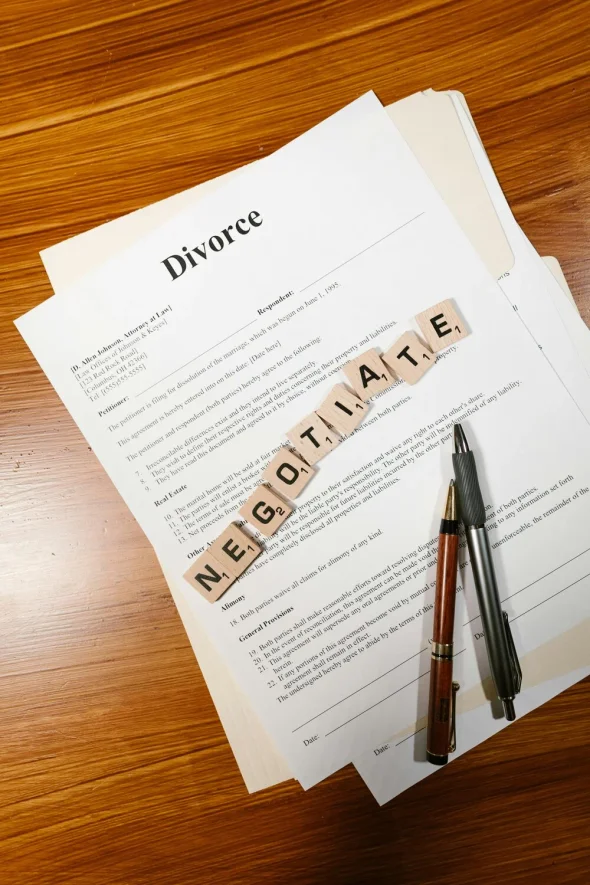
point(514, 662)
point(453, 734)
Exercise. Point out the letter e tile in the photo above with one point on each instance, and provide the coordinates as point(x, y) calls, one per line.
point(441, 325)
point(235, 550)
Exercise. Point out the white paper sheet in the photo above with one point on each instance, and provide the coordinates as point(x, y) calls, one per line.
point(58, 267)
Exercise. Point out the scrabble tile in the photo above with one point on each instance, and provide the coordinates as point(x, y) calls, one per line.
point(312, 438)
point(287, 473)
point(265, 510)
point(409, 358)
point(235, 550)
point(368, 374)
point(209, 577)
point(441, 325)
point(342, 410)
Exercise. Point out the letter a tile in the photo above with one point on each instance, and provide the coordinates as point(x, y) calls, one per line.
point(287, 473)
point(441, 325)
point(409, 358)
point(265, 510)
point(235, 550)
point(342, 410)
point(312, 439)
point(209, 577)
point(368, 374)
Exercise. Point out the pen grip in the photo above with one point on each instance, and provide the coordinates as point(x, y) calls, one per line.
point(439, 709)
point(471, 505)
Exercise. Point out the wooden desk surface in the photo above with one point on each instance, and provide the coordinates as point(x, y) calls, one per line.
point(114, 768)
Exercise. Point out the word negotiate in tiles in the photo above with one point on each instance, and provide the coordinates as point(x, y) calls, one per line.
point(340, 413)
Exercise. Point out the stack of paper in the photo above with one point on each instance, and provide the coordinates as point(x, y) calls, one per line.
point(186, 350)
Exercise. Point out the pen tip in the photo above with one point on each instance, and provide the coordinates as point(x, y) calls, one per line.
point(451, 505)
point(509, 711)
point(461, 444)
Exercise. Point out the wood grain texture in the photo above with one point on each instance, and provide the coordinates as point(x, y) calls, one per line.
point(114, 768)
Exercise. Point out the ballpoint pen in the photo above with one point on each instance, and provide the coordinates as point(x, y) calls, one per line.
point(504, 665)
point(440, 737)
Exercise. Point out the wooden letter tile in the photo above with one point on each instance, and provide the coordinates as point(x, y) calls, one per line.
point(209, 577)
point(235, 550)
point(312, 439)
point(265, 510)
point(368, 374)
point(441, 325)
point(287, 473)
point(409, 358)
point(342, 410)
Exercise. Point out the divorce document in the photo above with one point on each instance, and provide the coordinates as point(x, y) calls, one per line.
point(187, 358)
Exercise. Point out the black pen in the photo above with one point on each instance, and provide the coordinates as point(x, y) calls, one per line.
point(504, 665)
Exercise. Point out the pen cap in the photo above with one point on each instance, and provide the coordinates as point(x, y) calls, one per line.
point(471, 504)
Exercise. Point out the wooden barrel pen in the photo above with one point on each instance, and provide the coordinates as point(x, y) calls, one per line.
point(440, 739)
